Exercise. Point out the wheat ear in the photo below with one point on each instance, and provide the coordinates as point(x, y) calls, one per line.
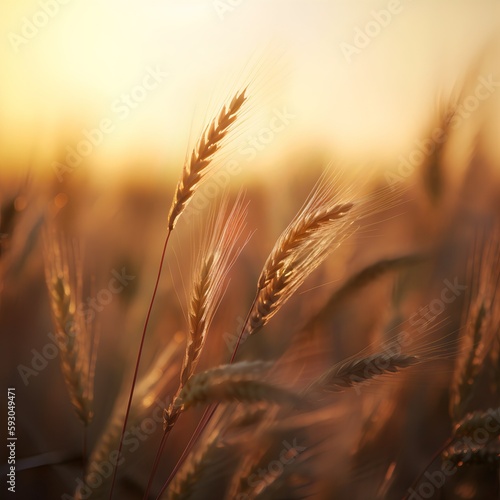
point(229, 383)
point(202, 156)
point(63, 272)
point(217, 255)
point(358, 370)
point(476, 420)
point(186, 481)
point(313, 234)
point(481, 322)
point(478, 455)
point(469, 365)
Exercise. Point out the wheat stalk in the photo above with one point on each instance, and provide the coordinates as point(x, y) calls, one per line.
point(63, 272)
point(201, 157)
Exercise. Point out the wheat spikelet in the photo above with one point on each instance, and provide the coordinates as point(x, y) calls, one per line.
point(202, 156)
point(149, 389)
point(229, 383)
point(74, 337)
point(359, 370)
point(313, 234)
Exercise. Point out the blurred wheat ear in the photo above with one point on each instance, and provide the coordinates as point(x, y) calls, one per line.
point(358, 370)
point(149, 392)
point(75, 336)
point(229, 383)
point(481, 321)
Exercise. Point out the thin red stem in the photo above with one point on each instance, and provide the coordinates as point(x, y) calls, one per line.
point(156, 463)
point(434, 457)
point(139, 354)
point(207, 415)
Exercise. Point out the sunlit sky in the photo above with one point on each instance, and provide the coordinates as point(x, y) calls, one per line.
point(70, 73)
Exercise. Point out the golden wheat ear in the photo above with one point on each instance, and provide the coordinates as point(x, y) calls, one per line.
point(317, 230)
point(222, 243)
point(75, 336)
point(202, 157)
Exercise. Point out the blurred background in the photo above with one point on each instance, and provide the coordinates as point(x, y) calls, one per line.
point(364, 97)
point(100, 103)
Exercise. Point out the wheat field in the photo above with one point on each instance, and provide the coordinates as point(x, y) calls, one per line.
point(318, 324)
